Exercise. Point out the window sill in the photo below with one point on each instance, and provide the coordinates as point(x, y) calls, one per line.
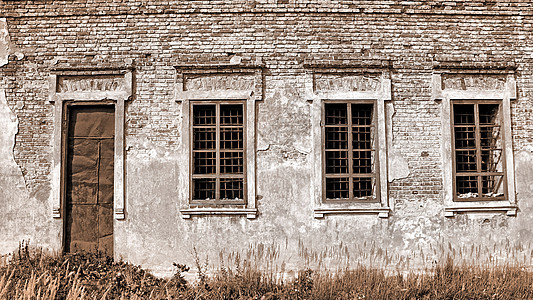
point(251, 213)
point(382, 212)
point(509, 210)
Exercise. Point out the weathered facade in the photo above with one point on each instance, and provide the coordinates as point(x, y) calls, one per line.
point(295, 133)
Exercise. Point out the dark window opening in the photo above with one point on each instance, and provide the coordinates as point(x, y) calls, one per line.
point(349, 152)
point(478, 146)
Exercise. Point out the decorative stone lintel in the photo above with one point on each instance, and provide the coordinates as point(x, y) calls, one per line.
point(471, 85)
point(251, 213)
point(510, 210)
point(197, 82)
point(381, 212)
point(225, 94)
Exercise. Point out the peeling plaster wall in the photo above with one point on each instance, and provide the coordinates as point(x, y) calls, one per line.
point(4, 42)
point(398, 165)
point(24, 217)
point(285, 233)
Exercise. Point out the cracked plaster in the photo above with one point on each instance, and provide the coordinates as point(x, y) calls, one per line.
point(4, 42)
point(398, 167)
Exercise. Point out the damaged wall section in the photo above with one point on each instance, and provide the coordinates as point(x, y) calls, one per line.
point(4, 42)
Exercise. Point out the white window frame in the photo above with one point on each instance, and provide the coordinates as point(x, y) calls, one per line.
point(378, 97)
point(185, 97)
point(447, 96)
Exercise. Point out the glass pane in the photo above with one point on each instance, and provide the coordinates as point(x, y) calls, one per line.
point(204, 114)
point(488, 114)
point(337, 188)
point(336, 162)
point(465, 137)
point(231, 138)
point(363, 162)
point(463, 114)
point(362, 114)
point(231, 162)
point(231, 189)
point(336, 114)
point(465, 161)
point(466, 186)
point(336, 137)
point(204, 162)
point(204, 188)
point(363, 188)
point(492, 186)
point(231, 114)
point(204, 138)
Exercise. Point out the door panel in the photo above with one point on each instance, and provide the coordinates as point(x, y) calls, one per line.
point(89, 179)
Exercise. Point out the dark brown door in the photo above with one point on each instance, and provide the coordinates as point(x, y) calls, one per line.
point(89, 179)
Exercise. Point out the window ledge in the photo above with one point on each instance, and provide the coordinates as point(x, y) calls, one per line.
point(382, 212)
point(509, 210)
point(251, 213)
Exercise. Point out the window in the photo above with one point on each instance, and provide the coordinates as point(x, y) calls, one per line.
point(478, 147)
point(349, 127)
point(217, 154)
point(349, 152)
point(216, 173)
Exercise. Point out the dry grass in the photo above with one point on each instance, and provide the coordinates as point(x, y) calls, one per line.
point(34, 275)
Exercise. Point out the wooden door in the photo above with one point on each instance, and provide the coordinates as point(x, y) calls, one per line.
point(89, 179)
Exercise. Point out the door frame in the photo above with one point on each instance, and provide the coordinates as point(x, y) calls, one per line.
point(88, 87)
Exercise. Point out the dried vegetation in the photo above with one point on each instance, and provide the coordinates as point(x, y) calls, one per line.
point(31, 274)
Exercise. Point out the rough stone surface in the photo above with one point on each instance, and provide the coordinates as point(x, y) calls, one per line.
point(157, 36)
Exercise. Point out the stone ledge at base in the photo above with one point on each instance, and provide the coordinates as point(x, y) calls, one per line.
point(509, 210)
point(381, 212)
point(251, 213)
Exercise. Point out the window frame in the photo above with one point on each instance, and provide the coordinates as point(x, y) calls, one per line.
point(196, 202)
point(378, 95)
point(246, 85)
point(350, 174)
point(484, 93)
point(476, 104)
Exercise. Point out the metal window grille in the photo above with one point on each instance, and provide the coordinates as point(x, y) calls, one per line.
point(218, 153)
point(349, 152)
point(479, 168)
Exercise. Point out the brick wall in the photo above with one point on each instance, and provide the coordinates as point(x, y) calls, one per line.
point(281, 36)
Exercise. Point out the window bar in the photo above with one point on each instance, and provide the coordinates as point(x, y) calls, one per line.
point(374, 144)
point(350, 152)
point(217, 139)
point(478, 151)
point(324, 153)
